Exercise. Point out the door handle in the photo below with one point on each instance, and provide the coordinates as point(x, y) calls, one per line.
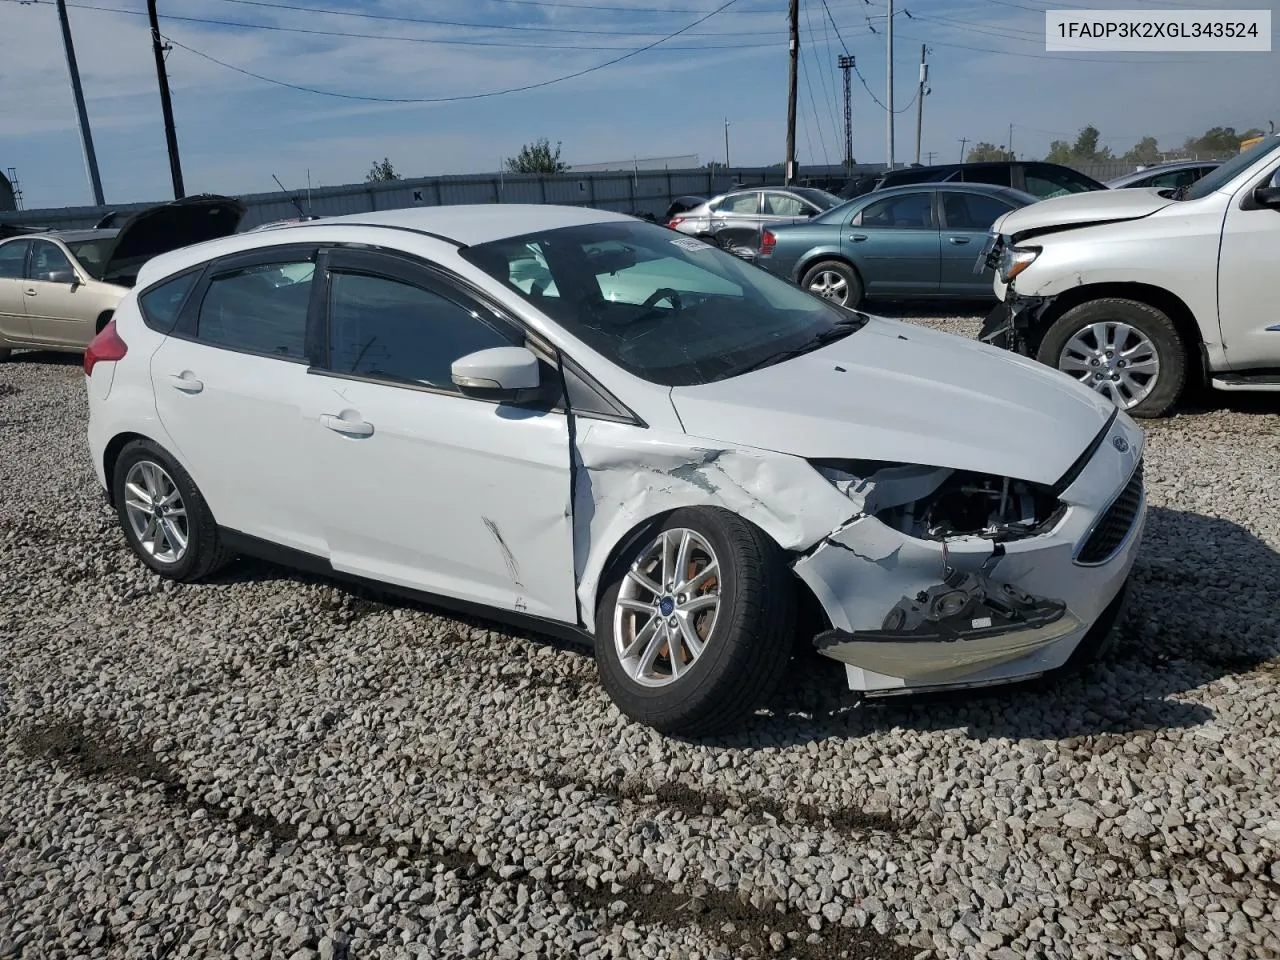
point(858, 237)
point(352, 428)
point(185, 382)
point(29, 292)
point(958, 240)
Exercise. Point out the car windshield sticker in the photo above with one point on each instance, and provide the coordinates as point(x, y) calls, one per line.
point(691, 244)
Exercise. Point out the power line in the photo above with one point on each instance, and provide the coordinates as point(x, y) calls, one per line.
point(806, 70)
point(454, 99)
point(828, 94)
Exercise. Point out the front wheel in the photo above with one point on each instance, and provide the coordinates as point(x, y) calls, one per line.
point(694, 631)
point(835, 281)
point(1127, 350)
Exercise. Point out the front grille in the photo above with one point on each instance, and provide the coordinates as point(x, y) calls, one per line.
point(1114, 525)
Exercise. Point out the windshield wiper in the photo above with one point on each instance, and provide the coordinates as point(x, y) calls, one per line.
point(839, 331)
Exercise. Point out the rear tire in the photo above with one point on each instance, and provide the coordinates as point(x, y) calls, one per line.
point(740, 613)
point(164, 517)
point(1069, 339)
point(834, 280)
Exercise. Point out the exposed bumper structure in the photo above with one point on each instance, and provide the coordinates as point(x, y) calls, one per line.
point(1014, 323)
point(973, 612)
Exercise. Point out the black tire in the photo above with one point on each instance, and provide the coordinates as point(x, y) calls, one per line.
point(748, 647)
point(204, 551)
point(1153, 324)
point(853, 283)
point(5, 353)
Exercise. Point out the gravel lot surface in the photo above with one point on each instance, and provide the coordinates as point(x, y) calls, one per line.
point(275, 766)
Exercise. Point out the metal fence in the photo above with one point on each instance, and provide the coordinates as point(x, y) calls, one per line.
point(636, 192)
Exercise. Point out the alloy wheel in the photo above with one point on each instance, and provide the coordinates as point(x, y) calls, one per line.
point(667, 608)
point(830, 285)
point(157, 515)
point(1115, 359)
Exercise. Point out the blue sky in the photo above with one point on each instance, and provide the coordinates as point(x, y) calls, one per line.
point(988, 68)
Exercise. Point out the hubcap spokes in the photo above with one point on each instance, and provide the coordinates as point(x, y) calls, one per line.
point(667, 608)
point(156, 513)
point(1114, 359)
point(830, 285)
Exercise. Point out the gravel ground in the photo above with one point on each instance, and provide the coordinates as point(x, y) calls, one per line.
point(275, 766)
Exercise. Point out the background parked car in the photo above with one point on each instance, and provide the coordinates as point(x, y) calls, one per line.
point(915, 241)
point(59, 289)
point(1035, 177)
point(735, 221)
point(681, 204)
point(1179, 173)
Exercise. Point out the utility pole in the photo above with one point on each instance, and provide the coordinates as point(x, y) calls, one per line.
point(791, 92)
point(86, 138)
point(963, 141)
point(930, 154)
point(889, 87)
point(166, 107)
point(846, 64)
point(920, 92)
point(1012, 155)
point(726, 143)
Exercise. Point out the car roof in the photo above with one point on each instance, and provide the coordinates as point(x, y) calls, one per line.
point(76, 236)
point(945, 186)
point(467, 224)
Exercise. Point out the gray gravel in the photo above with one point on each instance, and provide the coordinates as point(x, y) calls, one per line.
point(275, 766)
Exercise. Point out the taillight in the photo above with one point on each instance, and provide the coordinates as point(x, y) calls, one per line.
point(107, 345)
point(768, 242)
point(675, 222)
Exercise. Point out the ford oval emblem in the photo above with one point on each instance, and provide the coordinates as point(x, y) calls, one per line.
point(1120, 443)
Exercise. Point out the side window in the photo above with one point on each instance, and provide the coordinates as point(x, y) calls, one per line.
point(740, 203)
point(996, 176)
point(909, 211)
point(160, 304)
point(12, 256)
point(1174, 178)
point(783, 205)
point(972, 211)
point(47, 260)
point(1045, 182)
point(259, 309)
point(391, 330)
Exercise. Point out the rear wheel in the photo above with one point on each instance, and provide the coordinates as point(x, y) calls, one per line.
point(165, 519)
point(835, 281)
point(1127, 350)
point(694, 632)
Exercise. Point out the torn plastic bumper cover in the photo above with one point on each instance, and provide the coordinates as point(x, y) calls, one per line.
point(1014, 324)
point(951, 629)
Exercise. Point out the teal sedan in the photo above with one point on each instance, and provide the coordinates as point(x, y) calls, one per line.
point(912, 242)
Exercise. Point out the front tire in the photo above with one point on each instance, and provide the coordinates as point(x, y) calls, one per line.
point(164, 517)
point(1126, 350)
point(834, 280)
point(693, 634)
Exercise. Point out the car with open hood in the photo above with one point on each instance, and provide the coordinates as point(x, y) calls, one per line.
point(59, 288)
point(1138, 292)
point(604, 430)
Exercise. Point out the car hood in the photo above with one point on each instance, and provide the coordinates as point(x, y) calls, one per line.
point(1081, 210)
point(901, 393)
point(156, 230)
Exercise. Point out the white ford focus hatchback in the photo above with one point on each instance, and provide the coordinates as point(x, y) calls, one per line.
point(601, 428)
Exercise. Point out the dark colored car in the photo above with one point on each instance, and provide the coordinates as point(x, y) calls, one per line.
point(681, 204)
point(1040, 179)
point(904, 242)
point(1166, 176)
point(735, 221)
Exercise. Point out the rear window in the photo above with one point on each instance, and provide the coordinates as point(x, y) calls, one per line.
point(161, 304)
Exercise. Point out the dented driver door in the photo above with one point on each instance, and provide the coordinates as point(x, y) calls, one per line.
point(419, 485)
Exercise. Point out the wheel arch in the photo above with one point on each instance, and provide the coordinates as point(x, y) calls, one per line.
point(809, 260)
point(115, 446)
point(1168, 303)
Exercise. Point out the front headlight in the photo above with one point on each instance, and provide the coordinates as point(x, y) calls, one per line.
point(1013, 260)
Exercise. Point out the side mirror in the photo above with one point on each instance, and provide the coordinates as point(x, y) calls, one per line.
point(58, 276)
point(503, 374)
point(1268, 195)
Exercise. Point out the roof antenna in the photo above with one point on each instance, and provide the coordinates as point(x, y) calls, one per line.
point(294, 200)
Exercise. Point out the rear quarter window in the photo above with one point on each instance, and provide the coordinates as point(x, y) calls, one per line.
point(160, 305)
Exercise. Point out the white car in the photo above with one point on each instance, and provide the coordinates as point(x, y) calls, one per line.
point(584, 422)
point(1139, 292)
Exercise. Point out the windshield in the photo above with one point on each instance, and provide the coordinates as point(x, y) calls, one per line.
point(1230, 170)
point(667, 308)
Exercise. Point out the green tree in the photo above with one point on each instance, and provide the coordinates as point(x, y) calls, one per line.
point(1146, 151)
point(380, 171)
point(981, 152)
point(1219, 142)
point(1084, 150)
point(537, 157)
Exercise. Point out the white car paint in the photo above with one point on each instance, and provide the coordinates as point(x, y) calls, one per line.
point(1213, 253)
point(475, 502)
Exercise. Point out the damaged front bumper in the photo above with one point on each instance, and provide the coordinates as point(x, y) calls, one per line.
point(970, 611)
point(1015, 323)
